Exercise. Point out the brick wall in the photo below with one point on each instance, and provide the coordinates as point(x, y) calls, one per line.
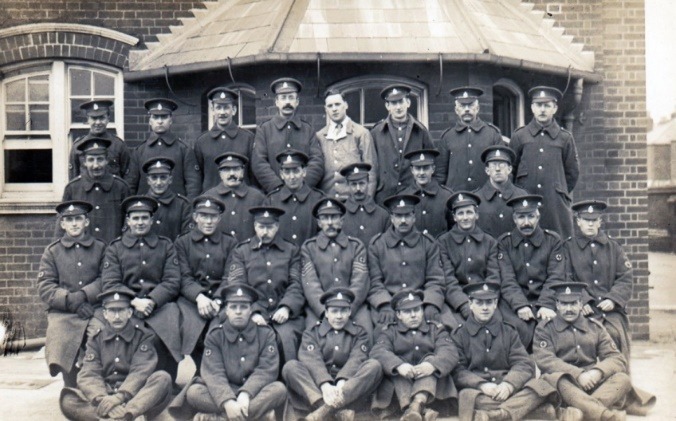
point(611, 127)
point(143, 19)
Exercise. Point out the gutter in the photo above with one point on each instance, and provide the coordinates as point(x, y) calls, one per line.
point(490, 59)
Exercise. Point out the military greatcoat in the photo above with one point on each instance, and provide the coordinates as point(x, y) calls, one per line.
point(173, 217)
point(495, 217)
point(363, 220)
point(297, 224)
point(431, 214)
point(118, 155)
point(236, 220)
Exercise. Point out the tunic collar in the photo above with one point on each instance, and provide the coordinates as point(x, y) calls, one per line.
point(127, 332)
point(198, 236)
point(85, 241)
point(537, 238)
point(580, 323)
point(281, 122)
point(230, 130)
point(301, 194)
point(392, 238)
point(431, 189)
point(231, 333)
point(240, 190)
point(583, 241)
point(130, 240)
point(460, 236)
point(277, 242)
point(168, 137)
point(325, 327)
point(476, 125)
point(490, 191)
point(105, 182)
point(166, 198)
point(552, 129)
point(474, 326)
point(424, 327)
point(323, 240)
point(369, 205)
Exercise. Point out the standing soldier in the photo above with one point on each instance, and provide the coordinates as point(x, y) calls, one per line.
point(417, 356)
point(343, 142)
point(495, 374)
point(599, 261)
point(100, 188)
point(69, 282)
point(118, 380)
point(530, 259)
point(173, 214)
point(468, 254)
point(495, 217)
point(333, 375)
point(146, 264)
point(363, 217)
point(203, 255)
point(403, 258)
point(461, 146)
point(224, 136)
point(578, 357)
point(395, 136)
point(285, 131)
point(431, 215)
point(239, 369)
point(98, 117)
point(162, 142)
point(546, 160)
point(295, 197)
point(332, 259)
point(271, 265)
point(236, 195)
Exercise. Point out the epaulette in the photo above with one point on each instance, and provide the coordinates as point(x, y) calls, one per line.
point(120, 179)
point(375, 237)
point(598, 323)
point(446, 131)
point(75, 179)
point(436, 323)
point(429, 236)
point(162, 237)
point(317, 190)
point(310, 240)
point(185, 199)
point(497, 129)
point(545, 322)
point(569, 238)
point(53, 243)
point(355, 239)
point(247, 241)
point(97, 332)
point(115, 241)
point(552, 233)
point(505, 235)
point(273, 191)
point(445, 188)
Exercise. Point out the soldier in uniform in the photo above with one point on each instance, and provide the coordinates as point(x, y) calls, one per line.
point(332, 259)
point(461, 146)
point(224, 136)
point(69, 282)
point(578, 357)
point(333, 375)
point(147, 265)
point(98, 117)
point(531, 259)
point(404, 258)
point(162, 142)
point(495, 217)
point(599, 261)
point(271, 265)
point(546, 160)
point(495, 374)
point(118, 379)
point(417, 357)
point(172, 217)
point(203, 255)
point(363, 217)
point(100, 188)
point(431, 214)
point(393, 137)
point(468, 254)
point(343, 142)
point(239, 369)
point(285, 131)
point(236, 195)
point(296, 197)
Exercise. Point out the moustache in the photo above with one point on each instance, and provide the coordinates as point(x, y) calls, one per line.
point(288, 107)
point(234, 178)
point(527, 227)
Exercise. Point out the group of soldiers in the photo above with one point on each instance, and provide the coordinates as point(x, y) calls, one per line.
point(324, 274)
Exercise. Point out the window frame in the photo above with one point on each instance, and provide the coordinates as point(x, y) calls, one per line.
point(517, 102)
point(239, 88)
point(43, 196)
point(418, 89)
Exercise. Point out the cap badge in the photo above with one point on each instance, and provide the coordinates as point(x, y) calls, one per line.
point(497, 153)
point(239, 292)
point(138, 203)
point(159, 106)
point(158, 164)
point(401, 204)
point(422, 156)
point(542, 94)
point(591, 209)
point(339, 296)
point(485, 287)
point(329, 204)
point(285, 85)
point(460, 198)
point(289, 159)
point(525, 203)
point(71, 208)
point(116, 296)
point(95, 146)
point(222, 95)
point(568, 291)
point(394, 91)
point(229, 158)
point(95, 107)
point(266, 214)
point(356, 170)
point(465, 94)
point(410, 297)
point(207, 203)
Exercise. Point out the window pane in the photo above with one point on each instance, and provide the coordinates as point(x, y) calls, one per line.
point(76, 114)
point(16, 118)
point(414, 106)
point(39, 117)
point(374, 106)
point(28, 166)
point(38, 89)
point(16, 91)
point(80, 82)
point(248, 111)
point(354, 105)
point(104, 85)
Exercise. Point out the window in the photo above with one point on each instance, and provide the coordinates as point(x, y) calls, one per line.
point(508, 106)
point(41, 118)
point(366, 107)
point(246, 107)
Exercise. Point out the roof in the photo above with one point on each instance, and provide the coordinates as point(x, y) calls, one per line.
point(663, 133)
point(503, 32)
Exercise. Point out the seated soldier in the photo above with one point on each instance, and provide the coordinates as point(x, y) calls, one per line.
point(172, 217)
point(579, 358)
point(239, 369)
point(495, 374)
point(333, 373)
point(468, 254)
point(203, 257)
point(417, 357)
point(118, 378)
point(71, 296)
point(363, 218)
point(332, 259)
